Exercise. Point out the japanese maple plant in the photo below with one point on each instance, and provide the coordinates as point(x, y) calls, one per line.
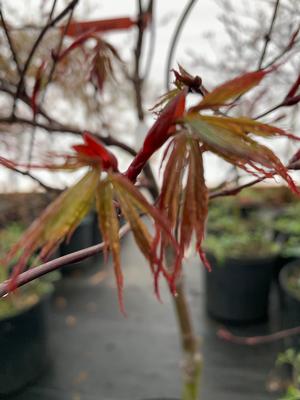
point(178, 209)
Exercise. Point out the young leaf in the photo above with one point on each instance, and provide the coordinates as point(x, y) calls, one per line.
point(56, 223)
point(230, 90)
point(132, 203)
point(37, 86)
point(185, 204)
point(159, 133)
point(109, 226)
point(239, 149)
point(94, 150)
point(244, 125)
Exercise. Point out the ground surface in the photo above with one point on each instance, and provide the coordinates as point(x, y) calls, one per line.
point(97, 354)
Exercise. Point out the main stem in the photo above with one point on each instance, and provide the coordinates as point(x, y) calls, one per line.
point(192, 358)
point(192, 361)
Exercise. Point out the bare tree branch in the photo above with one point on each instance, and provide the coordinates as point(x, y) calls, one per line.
point(268, 35)
point(36, 44)
point(175, 38)
point(10, 43)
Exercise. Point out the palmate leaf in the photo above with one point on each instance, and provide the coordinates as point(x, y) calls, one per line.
point(239, 149)
point(184, 197)
point(109, 226)
point(132, 204)
point(231, 90)
point(244, 125)
point(56, 223)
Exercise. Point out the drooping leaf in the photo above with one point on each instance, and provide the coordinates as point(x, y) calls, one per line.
point(239, 149)
point(244, 125)
point(132, 203)
point(230, 90)
point(184, 196)
point(79, 42)
point(56, 223)
point(109, 226)
point(158, 134)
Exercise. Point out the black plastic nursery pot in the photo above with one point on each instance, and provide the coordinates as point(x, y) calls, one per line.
point(23, 347)
point(290, 299)
point(237, 291)
point(82, 237)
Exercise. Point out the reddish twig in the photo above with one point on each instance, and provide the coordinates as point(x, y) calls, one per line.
point(224, 334)
point(57, 263)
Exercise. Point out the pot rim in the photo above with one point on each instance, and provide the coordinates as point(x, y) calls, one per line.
point(45, 296)
point(283, 277)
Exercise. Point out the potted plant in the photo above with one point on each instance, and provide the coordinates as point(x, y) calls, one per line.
point(291, 358)
point(242, 253)
point(23, 331)
point(287, 233)
point(289, 281)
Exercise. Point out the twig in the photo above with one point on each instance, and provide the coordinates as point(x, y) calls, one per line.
point(263, 114)
point(52, 10)
point(40, 37)
point(8, 88)
point(175, 38)
point(254, 340)
point(137, 80)
point(235, 190)
point(53, 66)
point(57, 263)
point(56, 127)
point(34, 178)
point(268, 35)
point(10, 43)
point(151, 50)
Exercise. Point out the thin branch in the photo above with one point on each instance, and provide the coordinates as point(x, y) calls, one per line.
point(34, 178)
point(36, 44)
point(235, 190)
point(57, 263)
point(49, 79)
point(175, 38)
point(10, 43)
point(56, 127)
point(9, 89)
point(267, 112)
point(137, 80)
point(268, 35)
point(52, 10)
point(254, 340)
point(151, 50)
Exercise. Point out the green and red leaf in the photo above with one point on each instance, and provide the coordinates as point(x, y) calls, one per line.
point(230, 90)
point(184, 197)
point(56, 223)
point(109, 226)
point(244, 125)
point(239, 149)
